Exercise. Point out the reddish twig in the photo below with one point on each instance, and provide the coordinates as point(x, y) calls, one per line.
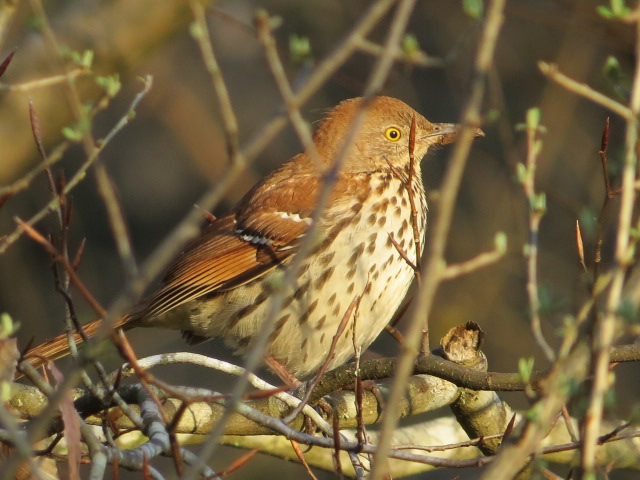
point(48, 246)
point(337, 465)
point(412, 202)
point(239, 463)
point(300, 456)
point(5, 63)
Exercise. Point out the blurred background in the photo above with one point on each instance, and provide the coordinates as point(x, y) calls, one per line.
point(174, 149)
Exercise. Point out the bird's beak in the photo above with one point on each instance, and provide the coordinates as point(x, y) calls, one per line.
point(448, 133)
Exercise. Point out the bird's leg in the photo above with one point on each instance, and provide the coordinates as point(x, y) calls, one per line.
point(285, 375)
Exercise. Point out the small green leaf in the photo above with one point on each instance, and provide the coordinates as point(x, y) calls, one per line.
point(82, 59)
point(275, 22)
point(7, 326)
point(539, 203)
point(410, 45)
point(533, 118)
point(75, 132)
point(195, 30)
point(500, 242)
point(86, 60)
point(473, 8)
point(604, 12)
point(612, 69)
point(525, 368)
point(492, 115)
point(567, 327)
point(71, 134)
point(110, 84)
point(521, 172)
point(619, 9)
point(536, 148)
point(299, 49)
point(533, 413)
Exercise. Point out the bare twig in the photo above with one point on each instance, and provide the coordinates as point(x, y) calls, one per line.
point(5, 62)
point(480, 261)
point(230, 122)
point(51, 250)
point(300, 456)
point(265, 35)
point(44, 82)
point(239, 463)
point(417, 240)
point(551, 70)
point(419, 58)
point(537, 208)
point(604, 210)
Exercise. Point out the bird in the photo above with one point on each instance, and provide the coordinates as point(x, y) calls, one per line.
point(364, 251)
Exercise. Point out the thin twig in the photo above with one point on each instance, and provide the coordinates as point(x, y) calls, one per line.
point(229, 120)
point(51, 250)
point(44, 82)
point(265, 36)
point(603, 216)
point(417, 237)
point(300, 456)
point(419, 58)
point(551, 71)
point(480, 261)
point(24, 181)
point(536, 212)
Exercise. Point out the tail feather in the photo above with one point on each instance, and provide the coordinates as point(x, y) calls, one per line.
point(58, 347)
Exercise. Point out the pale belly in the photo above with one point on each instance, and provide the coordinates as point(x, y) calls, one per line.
point(359, 277)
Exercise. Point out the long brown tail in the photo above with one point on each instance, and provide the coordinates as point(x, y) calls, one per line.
point(58, 346)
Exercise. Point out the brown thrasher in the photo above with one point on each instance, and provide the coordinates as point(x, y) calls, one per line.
point(220, 285)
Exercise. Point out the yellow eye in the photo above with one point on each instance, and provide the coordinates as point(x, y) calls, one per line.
point(393, 134)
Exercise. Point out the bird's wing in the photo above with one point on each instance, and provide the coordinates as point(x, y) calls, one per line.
point(262, 232)
point(230, 254)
